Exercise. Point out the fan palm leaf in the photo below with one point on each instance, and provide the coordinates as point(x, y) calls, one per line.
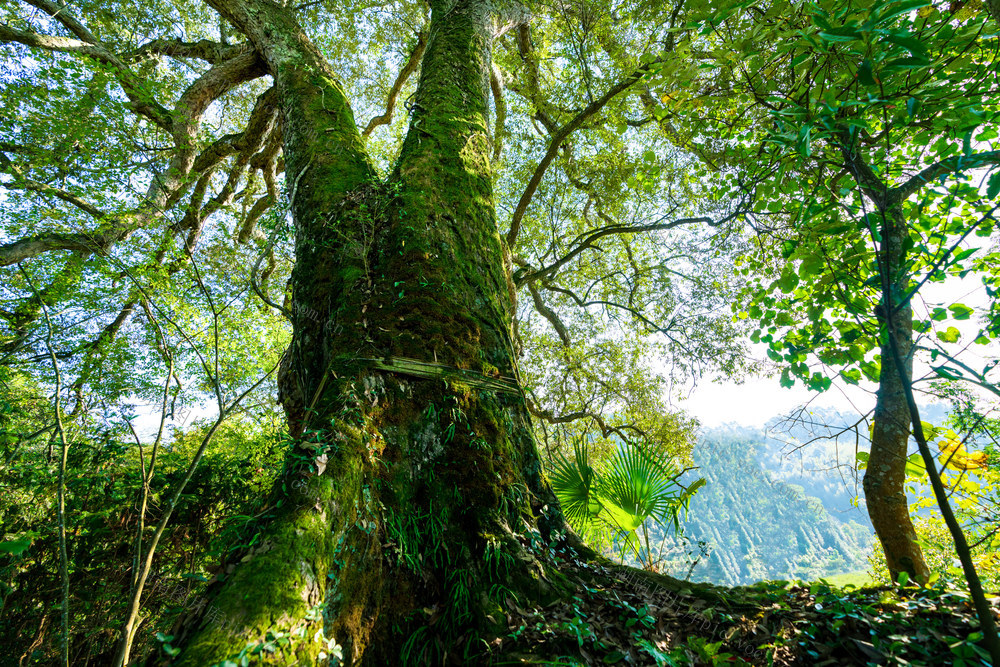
point(636, 487)
point(574, 483)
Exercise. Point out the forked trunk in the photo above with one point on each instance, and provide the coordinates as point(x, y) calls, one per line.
point(413, 504)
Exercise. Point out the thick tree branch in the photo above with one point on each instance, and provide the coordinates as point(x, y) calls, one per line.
point(65, 195)
point(195, 100)
point(130, 84)
point(556, 142)
point(550, 315)
point(25, 248)
point(496, 85)
point(165, 193)
point(532, 79)
point(937, 170)
point(263, 122)
point(34, 245)
point(318, 120)
point(51, 42)
point(207, 50)
point(249, 229)
point(60, 12)
point(869, 182)
point(404, 74)
point(94, 352)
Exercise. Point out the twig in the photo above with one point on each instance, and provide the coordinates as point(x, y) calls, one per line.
point(61, 483)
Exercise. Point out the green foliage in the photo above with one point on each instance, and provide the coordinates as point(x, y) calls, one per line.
point(900, 629)
point(632, 487)
point(573, 482)
point(755, 526)
point(845, 105)
point(98, 139)
point(104, 483)
point(939, 550)
point(869, 122)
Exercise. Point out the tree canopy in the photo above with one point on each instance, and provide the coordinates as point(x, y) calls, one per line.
point(448, 239)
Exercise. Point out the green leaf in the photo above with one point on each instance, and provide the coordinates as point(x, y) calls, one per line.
point(949, 335)
point(811, 265)
point(960, 311)
point(993, 185)
point(637, 486)
point(910, 62)
point(788, 281)
point(573, 482)
point(851, 375)
point(16, 546)
point(786, 380)
point(865, 74)
point(840, 35)
point(915, 466)
point(911, 44)
point(900, 8)
point(801, 58)
point(964, 254)
point(947, 373)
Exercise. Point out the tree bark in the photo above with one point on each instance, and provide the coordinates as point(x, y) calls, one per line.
point(412, 507)
point(884, 479)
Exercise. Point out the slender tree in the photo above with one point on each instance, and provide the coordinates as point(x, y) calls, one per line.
point(868, 146)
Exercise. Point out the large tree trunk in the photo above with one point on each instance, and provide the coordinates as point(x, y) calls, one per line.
point(884, 480)
point(413, 504)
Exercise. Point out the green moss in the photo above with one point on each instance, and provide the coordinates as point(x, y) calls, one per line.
point(285, 575)
point(410, 514)
point(412, 519)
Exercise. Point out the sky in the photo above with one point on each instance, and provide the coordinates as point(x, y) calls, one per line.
point(759, 399)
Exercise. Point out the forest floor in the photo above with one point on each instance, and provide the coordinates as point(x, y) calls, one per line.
point(628, 618)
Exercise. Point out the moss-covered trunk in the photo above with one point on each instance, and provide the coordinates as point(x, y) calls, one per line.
point(884, 479)
point(413, 505)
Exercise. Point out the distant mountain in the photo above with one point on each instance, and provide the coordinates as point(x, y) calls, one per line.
point(817, 449)
point(757, 523)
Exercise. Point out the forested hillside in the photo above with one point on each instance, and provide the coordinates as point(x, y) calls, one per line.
point(756, 527)
point(817, 449)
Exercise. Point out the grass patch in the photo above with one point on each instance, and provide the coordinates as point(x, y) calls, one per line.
point(858, 579)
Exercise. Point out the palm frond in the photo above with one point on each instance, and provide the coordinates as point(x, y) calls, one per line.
point(637, 487)
point(574, 484)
